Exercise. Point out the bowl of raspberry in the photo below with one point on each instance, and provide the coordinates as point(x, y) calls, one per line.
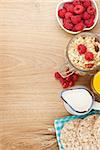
point(75, 16)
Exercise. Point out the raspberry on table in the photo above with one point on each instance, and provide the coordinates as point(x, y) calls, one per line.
point(75, 77)
point(82, 49)
point(89, 22)
point(89, 56)
point(86, 16)
point(91, 10)
point(79, 26)
point(65, 85)
point(71, 83)
point(57, 75)
point(68, 15)
point(68, 78)
point(62, 12)
point(76, 19)
point(62, 80)
point(78, 9)
point(68, 25)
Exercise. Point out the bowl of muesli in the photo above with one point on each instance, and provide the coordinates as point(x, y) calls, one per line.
point(83, 52)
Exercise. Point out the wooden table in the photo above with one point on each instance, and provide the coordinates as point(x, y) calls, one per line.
point(31, 50)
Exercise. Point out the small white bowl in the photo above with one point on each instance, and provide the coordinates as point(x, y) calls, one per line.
point(60, 5)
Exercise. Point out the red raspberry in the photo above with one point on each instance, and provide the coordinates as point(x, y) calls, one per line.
point(86, 16)
point(79, 26)
point(81, 15)
point(66, 21)
point(76, 2)
point(91, 10)
point(67, 4)
point(68, 26)
point(75, 77)
point(74, 30)
point(89, 56)
point(86, 3)
point(69, 7)
point(57, 75)
point(61, 13)
point(89, 22)
point(78, 9)
point(65, 85)
point(81, 49)
point(62, 80)
point(92, 17)
point(68, 78)
point(68, 15)
point(82, 1)
point(76, 19)
point(71, 83)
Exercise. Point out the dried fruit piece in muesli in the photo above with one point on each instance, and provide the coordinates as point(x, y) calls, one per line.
point(97, 48)
point(89, 65)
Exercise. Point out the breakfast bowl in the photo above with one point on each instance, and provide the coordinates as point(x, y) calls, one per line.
point(86, 27)
point(82, 55)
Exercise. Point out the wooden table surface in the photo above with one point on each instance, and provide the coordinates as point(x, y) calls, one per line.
point(31, 49)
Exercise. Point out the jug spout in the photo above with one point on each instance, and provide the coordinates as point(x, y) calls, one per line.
point(96, 106)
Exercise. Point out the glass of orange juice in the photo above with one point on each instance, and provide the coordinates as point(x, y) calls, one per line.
point(96, 83)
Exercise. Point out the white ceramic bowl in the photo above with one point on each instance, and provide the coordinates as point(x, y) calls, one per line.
point(60, 5)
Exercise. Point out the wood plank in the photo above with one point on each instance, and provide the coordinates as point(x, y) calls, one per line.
point(31, 49)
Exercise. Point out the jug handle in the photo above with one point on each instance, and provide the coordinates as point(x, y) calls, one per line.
point(96, 105)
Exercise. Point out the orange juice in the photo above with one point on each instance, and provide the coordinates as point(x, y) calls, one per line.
point(96, 83)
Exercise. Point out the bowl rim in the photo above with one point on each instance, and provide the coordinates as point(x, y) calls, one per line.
point(85, 29)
